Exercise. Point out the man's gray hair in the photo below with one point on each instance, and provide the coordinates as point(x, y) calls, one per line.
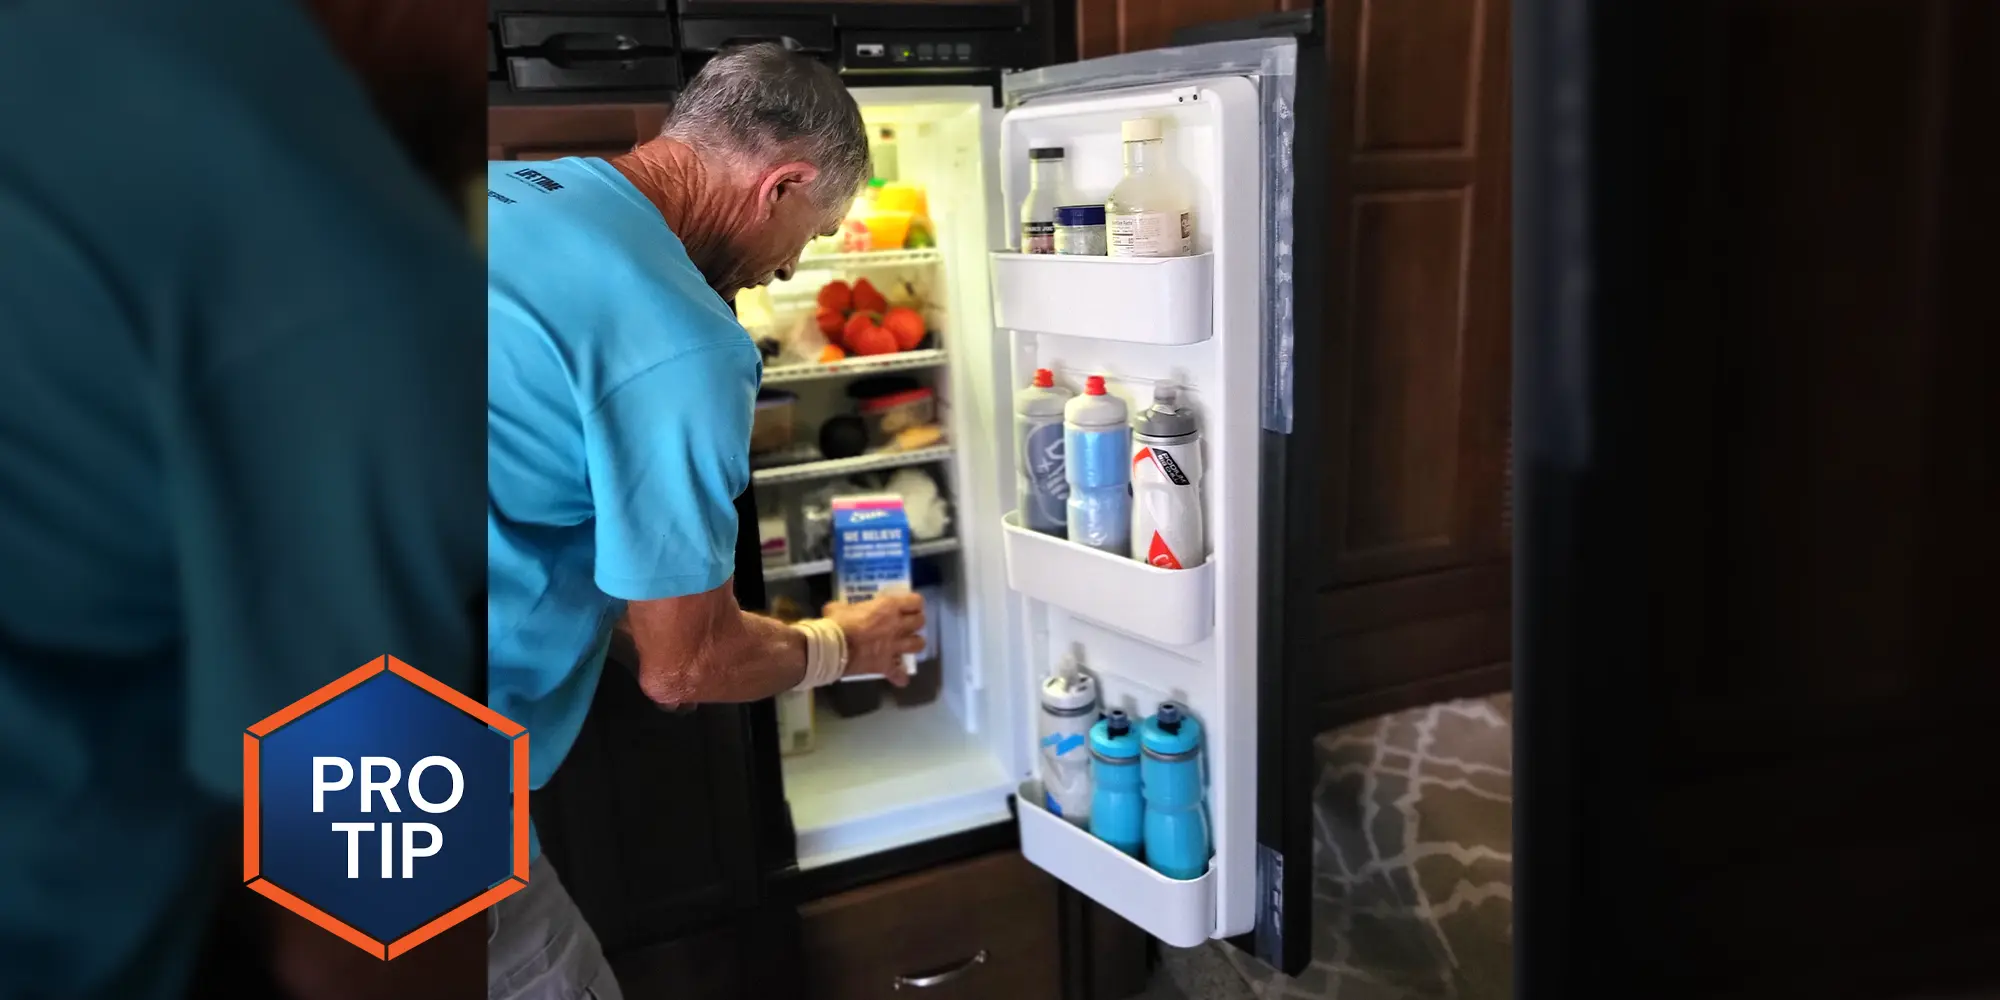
point(776, 105)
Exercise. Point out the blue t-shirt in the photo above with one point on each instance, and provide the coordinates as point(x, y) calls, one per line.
point(236, 424)
point(619, 398)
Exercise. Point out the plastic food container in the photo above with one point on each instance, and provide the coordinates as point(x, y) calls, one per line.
point(771, 423)
point(900, 197)
point(887, 229)
point(890, 415)
point(1080, 230)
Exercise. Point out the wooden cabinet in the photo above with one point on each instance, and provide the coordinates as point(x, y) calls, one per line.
point(547, 133)
point(1108, 27)
point(1410, 368)
point(975, 930)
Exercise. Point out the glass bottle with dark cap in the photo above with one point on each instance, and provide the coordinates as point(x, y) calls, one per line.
point(1048, 187)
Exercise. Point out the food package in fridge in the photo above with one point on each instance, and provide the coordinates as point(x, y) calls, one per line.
point(924, 504)
point(871, 549)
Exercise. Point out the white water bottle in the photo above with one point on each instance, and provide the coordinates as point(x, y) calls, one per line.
point(1166, 484)
point(1069, 709)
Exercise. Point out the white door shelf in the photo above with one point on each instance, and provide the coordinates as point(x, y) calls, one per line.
point(876, 364)
point(1180, 913)
point(830, 467)
point(1144, 300)
point(1173, 606)
point(821, 567)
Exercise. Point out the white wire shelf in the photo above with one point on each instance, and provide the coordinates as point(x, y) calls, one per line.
point(901, 361)
point(828, 468)
point(872, 258)
point(821, 567)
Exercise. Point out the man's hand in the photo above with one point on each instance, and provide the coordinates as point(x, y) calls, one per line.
point(879, 631)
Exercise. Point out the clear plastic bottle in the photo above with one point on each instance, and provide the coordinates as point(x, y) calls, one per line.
point(1148, 213)
point(1048, 187)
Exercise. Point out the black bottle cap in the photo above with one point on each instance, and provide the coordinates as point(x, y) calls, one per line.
point(1046, 153)
point(1116, 723)
point(1170, 717)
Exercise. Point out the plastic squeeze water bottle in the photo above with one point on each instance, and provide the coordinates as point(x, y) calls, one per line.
point(1097, 445)
point(1040, 479)
point(1176, 825)
point(1166, 484)
point(1117, 806)
point(1069, 709)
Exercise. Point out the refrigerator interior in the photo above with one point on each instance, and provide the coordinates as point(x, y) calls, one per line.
point(899, 775)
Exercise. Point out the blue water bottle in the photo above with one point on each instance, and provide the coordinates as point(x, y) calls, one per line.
point(1117, 806)
point(1176, 826)
point(1097, 457)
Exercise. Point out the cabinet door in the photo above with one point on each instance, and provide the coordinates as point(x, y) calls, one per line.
point(667, 826)
point(1403, 403)
point(1109, 27)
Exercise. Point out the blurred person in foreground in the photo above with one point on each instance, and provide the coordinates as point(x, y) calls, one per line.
point(238, 423)
point(619, 404)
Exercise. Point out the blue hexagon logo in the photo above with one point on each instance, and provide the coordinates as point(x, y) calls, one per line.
point(385, 807)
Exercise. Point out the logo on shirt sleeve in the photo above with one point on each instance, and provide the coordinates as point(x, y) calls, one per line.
point(385, 807)
point(529, 175)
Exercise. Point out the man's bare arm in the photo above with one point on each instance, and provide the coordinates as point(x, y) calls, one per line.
point(705, 648)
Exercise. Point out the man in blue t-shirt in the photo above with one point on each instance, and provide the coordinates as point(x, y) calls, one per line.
point(619, 399)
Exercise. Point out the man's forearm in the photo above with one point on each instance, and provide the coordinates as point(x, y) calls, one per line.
point(756, 658)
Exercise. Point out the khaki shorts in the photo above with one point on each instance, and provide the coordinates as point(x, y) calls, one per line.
point(538, 946)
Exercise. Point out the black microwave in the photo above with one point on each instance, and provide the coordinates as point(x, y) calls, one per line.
point(594, 51)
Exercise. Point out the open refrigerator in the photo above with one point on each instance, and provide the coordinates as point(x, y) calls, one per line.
point(1007, 604)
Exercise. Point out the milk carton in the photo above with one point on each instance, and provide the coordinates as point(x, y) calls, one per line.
point(871, 552)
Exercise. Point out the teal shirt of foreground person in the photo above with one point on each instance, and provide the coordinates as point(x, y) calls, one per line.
point(240, 451)
point(620, 389)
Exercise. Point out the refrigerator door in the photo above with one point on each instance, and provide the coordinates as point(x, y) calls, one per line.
point(1215, 327)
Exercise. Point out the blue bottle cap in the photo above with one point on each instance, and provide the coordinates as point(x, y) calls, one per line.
point(1113, 740)
point(1170, 734)
point(1080, 215)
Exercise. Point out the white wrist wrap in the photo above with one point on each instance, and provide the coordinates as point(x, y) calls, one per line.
point(826, 652)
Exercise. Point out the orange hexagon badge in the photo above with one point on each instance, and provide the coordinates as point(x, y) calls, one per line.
point(385, 807)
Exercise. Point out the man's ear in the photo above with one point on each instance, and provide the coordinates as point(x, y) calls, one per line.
point(787, 180)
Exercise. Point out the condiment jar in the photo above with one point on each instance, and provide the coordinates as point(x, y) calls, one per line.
point(1080, 230)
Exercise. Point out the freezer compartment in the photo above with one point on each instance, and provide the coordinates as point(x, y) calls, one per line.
point(1143, 300)
point(1172, 606)
point(1180, 913)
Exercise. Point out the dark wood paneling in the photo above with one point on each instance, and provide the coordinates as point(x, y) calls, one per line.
point(1419, 343)
point(1109, 27)
point(546, 133)
point(1408, 452)
point(857, 943)
point(1403, 383)
point(1403, 642)
point(1419, 72)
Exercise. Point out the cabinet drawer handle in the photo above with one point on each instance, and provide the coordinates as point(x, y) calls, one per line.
point(941, 977)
